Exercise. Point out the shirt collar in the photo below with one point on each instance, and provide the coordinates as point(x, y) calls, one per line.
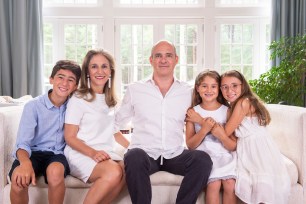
point(48, 102)
point(150, 80)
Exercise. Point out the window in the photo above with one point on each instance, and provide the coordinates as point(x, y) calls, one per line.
point(69, 2)
point(78, 38)
point(235, 36)
point(238, 46)
point(69, 39)
point(244, 3)
point(135, 43)
point(159, 2)
point(138, 36)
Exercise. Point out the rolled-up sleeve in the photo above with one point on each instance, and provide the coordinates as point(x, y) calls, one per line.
point(125, 112)
point(26, 131)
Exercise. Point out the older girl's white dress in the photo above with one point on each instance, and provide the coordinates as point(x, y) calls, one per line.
point(262, 176)
point(224, 161)
point(96, 124)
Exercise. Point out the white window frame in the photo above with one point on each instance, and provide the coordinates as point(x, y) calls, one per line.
point(117, 3)
point(211, 15)
point(158, 29)
point(58, 24)
point(256, 58)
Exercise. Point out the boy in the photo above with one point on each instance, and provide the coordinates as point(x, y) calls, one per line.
point(40, 139)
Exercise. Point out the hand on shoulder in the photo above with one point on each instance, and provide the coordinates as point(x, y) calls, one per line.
point(246, 106)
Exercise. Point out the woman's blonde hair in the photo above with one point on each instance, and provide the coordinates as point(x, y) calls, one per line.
point(84, 90)
point(246, 93)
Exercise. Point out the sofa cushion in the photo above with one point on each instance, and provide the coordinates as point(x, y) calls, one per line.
point(163, 178)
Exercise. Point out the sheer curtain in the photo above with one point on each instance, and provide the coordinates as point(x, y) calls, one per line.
point(21, 47)
point(288, 19)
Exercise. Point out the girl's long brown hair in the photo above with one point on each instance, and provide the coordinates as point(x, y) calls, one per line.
point(246, 92)
point(82, 92)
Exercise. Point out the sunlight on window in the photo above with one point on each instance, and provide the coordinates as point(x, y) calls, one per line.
point(48, 53)
point(65, 2)
point(238, 1)
point(79, 38)
point(223, 43)
point(268, 42)
point(237, 48)
point(48, 49)
point(135, 49)
point(156, 2)
point(184, 37)
point(244, 3)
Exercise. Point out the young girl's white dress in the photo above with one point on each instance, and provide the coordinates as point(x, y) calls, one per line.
point(224, 161)
point(96, 123)
point(262, 176)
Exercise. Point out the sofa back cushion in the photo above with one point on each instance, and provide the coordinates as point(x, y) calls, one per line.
point(288, 129)
point(9, 122)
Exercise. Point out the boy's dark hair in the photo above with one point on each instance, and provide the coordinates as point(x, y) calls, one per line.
point(67, 65)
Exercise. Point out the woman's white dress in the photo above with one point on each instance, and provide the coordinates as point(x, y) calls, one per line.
point(224, 161)
point(262, 176)
point(96, 124)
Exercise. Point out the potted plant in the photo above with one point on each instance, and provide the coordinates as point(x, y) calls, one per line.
point(284, 83)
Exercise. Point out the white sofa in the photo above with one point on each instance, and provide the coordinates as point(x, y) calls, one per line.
point(288, 128)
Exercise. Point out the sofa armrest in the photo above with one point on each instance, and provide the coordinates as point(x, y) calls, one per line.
point(9, 122)
point(288, 129)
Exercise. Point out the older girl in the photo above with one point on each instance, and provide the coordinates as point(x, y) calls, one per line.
point(262, 176)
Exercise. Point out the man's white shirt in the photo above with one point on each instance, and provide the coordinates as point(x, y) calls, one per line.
point(157, 120)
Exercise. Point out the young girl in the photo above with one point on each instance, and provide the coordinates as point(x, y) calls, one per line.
point(209, 103)
point(261, 174)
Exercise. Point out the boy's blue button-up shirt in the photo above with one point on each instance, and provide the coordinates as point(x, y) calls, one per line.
point(41, 126)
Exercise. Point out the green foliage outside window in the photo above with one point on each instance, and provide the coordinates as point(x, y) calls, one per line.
point(285, 82)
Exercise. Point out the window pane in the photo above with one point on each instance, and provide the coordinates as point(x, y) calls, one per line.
point(247, 33)
point(225, 68)
point(81, 52)
point(191, 33)
point(92, 35)
point(247, 72)
point(247, 54)
point(135, 49)
point(237, 47)
point(125, 71)
point(48, 50)
point(225, 54)
point(236, 33)
point(70, 34)
point(63, 2)
point(79, 38)
point(144, 72)
point(267, 51)
point(184, 37)
point(236, 54)
point(70, 52)
point(159, 2)
point(237, 2)
point(81, 34)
